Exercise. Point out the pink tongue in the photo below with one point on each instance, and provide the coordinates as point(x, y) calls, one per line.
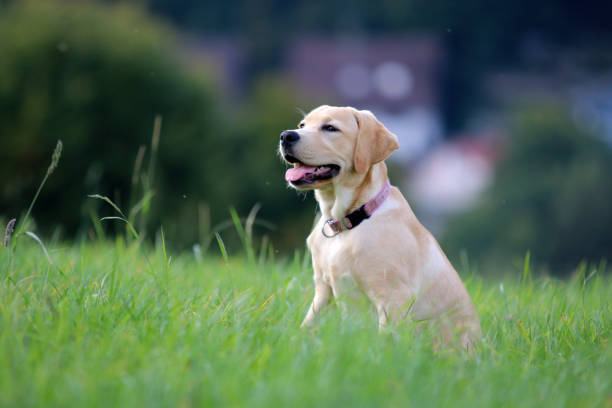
point(296, 173)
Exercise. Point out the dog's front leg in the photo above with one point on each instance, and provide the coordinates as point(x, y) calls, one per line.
point(322, 297)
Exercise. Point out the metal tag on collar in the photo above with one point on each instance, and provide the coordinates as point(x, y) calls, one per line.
point(333, 227)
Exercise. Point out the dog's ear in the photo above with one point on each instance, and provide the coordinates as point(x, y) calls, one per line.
point(374, 142)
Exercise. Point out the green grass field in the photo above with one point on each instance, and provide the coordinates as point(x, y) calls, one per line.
point(110, 324)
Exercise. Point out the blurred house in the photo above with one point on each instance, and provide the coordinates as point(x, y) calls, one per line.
point(398, 78)
point(452, 175)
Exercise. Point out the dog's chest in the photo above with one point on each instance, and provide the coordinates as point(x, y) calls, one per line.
point(333, 258)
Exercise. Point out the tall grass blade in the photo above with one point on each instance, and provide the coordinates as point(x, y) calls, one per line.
point(137, 165)
point(109, 201)
point(97, 226)
point(149, 178)
point(127, 223)
point(123, 218)
point(222, 247)
point(35, 238)
point(142, 203)
point(250, 221)
point(55, 157)
point(163, 246)
point(243, 235)
point(136, 174)
point(262, 250)
point(526, 267)
point(154, 148)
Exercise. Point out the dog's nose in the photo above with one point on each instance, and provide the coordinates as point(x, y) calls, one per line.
point(289, 137)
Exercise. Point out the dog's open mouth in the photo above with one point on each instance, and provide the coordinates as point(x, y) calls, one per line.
point(305, 174)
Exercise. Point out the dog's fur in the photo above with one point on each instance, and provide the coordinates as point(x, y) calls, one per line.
point(391, 257)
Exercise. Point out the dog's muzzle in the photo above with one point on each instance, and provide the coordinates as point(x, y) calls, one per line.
point(288, 139)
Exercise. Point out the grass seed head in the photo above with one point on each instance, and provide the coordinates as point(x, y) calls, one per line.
point(57, 153)
point(10, 227)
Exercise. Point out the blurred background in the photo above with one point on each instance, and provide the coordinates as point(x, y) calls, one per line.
point(503, 112)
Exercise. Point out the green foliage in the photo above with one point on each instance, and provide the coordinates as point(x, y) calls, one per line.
point(551, 195)
point(96, 77)
point(110, 324)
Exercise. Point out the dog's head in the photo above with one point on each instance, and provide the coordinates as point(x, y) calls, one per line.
point(332, 144)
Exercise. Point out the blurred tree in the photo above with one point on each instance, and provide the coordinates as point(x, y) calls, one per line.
point(552, 196)
point(95, 77)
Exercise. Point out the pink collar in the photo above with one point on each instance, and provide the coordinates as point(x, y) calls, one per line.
point(353, 219)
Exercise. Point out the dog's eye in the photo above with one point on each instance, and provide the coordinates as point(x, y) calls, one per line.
point(329, 128)
point(301, 125)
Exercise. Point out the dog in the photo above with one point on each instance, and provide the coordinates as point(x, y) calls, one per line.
point(367, 233)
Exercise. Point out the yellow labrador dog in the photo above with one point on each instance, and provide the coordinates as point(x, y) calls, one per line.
point(368, 234)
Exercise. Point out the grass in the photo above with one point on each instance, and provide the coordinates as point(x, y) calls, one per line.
point(117, 323)
point(111, 323)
